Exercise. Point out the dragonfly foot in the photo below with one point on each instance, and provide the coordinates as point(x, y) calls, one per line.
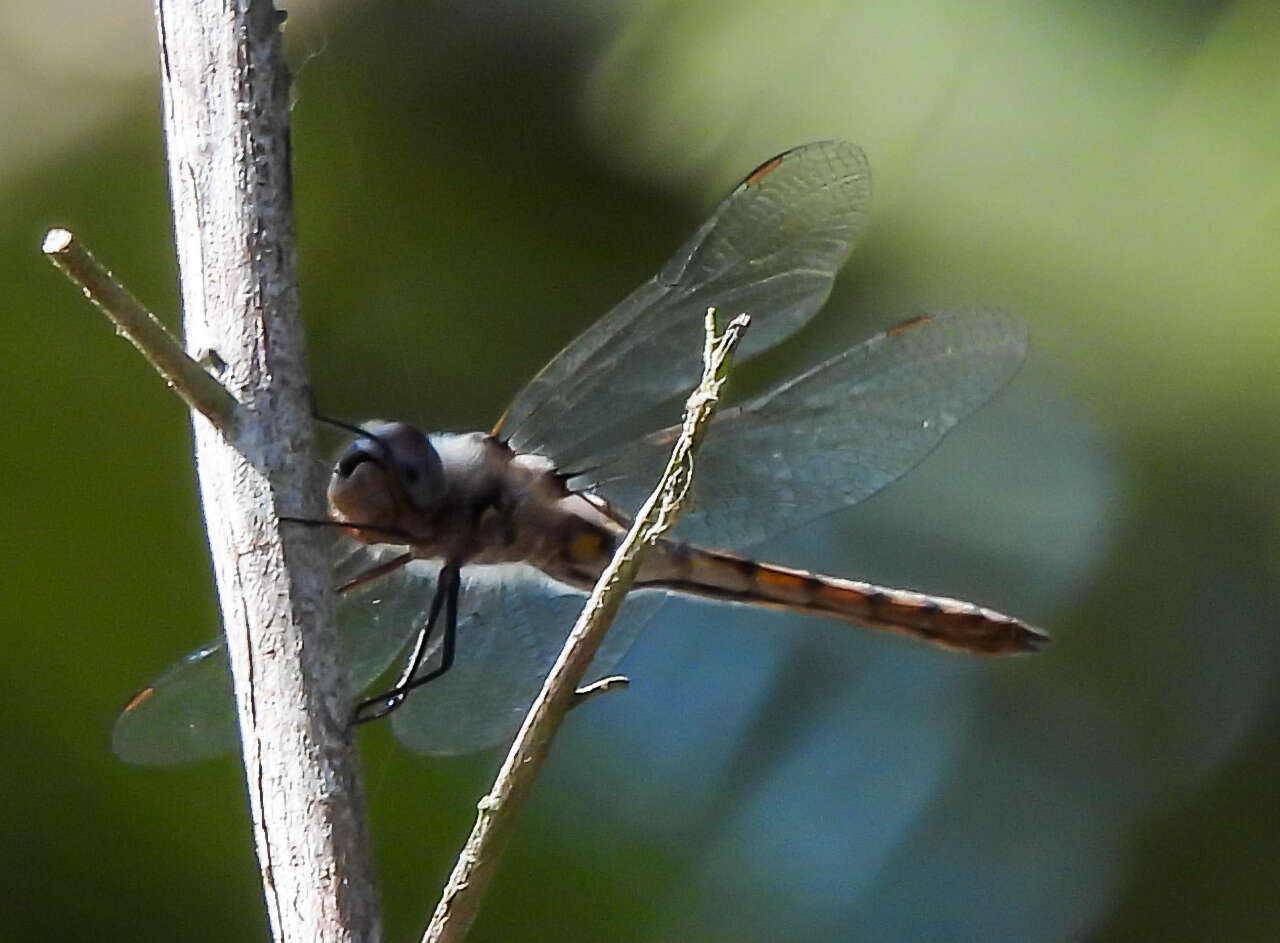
point(375, 708)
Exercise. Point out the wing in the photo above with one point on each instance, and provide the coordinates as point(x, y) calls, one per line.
point(830, 437)
point(188, 713)
point(185, 715)
point(512, 624)
point(771, 249)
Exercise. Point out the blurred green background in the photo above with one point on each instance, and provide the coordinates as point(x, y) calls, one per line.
point(477, 182)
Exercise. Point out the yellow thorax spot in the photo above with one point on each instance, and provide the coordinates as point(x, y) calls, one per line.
point(585, 547)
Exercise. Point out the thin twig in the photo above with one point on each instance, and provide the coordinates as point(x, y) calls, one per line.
point(498, 809)
point(589, 692)
point(144, 330)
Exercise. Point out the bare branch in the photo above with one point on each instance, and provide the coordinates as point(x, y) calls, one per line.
point(140, 327)
point(226, 112)
point(498, 809)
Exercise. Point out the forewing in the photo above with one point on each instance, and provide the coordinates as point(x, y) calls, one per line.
point(771, 249)
point(831, 436)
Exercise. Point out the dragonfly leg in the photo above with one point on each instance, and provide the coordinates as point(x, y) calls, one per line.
point(453, 587)
point(446, 596)
point(373, 573)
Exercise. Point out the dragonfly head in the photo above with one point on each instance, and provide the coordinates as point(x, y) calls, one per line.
point(388, 478)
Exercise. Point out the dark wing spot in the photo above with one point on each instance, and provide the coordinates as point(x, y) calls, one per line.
point(764, 170)
point(908, 325)
point(139, 698)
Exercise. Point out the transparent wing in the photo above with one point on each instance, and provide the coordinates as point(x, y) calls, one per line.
point(184, 715)
point(771, 249)
point(512, 623)
point(830, 437)
point(187, 713)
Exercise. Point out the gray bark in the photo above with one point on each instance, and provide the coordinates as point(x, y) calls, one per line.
point(225, 100)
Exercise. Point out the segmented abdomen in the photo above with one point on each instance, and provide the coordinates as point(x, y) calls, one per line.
point(951, 623)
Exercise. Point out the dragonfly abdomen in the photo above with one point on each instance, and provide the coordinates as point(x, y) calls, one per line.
point(950, 623)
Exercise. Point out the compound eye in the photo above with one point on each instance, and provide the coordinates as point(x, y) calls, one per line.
point(351, 461)
point(423, 480)
point(405, 456)
point(417, 466)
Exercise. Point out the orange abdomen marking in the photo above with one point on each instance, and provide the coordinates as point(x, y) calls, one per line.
point(951, 623)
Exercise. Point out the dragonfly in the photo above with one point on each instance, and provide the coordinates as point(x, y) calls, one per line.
point(468, 555)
